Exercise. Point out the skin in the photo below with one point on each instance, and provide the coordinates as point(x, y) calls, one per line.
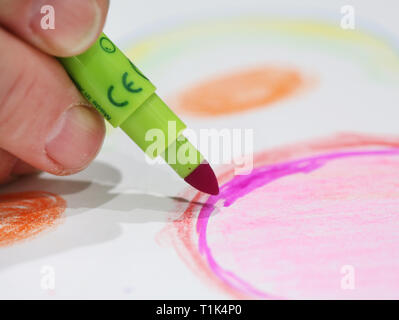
point(45, 123)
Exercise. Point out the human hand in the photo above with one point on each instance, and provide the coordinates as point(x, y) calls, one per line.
point(45, 123)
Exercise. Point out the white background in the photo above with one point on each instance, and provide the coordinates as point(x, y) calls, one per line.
point(107, 246)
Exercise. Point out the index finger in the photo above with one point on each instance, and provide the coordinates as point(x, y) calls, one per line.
point(58, 27)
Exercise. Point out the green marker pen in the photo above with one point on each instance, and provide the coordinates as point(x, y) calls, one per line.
point(127, 99)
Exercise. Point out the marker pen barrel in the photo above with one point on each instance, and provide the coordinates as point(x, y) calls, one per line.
point(127, 99)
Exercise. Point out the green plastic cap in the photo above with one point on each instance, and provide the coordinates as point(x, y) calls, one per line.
point(109, 80)
point(127, 99)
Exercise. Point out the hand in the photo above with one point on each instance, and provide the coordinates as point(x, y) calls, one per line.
point(45, 123)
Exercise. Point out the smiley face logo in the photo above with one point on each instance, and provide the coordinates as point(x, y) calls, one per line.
point(107, 45)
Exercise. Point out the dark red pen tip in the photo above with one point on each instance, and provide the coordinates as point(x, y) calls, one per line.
point(203, 179)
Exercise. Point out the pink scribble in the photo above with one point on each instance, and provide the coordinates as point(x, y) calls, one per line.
point(240, 186)
point(287, 229)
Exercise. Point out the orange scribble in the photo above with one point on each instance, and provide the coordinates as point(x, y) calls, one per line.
point(26, 214)
point(240, 91)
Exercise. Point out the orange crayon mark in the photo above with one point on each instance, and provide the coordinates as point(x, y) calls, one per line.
point(240, 91)
point(24, 215)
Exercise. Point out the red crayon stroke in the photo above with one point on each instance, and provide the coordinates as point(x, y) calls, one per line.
point(24, 215)
point(228, 261)
point(240, 91)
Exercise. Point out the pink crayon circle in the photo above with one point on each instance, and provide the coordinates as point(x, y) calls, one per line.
point(316, 220)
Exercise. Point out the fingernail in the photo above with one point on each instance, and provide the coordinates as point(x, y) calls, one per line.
point(76, 25)
point(76, 138)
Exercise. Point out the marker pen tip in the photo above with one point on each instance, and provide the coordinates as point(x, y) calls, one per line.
point(203, 179)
